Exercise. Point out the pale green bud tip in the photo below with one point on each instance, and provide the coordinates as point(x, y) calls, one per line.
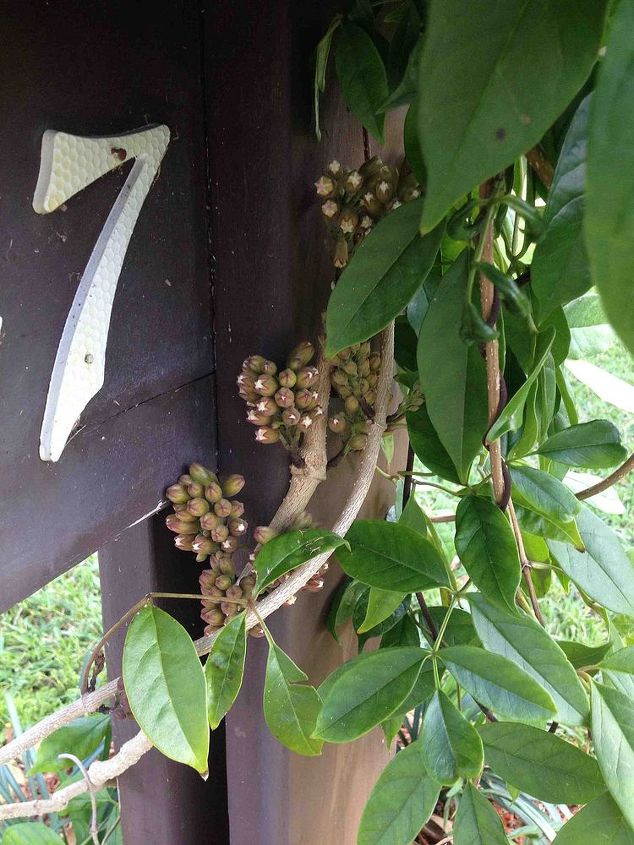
point(177, 494)
point(201, 475)
point(255, 363)
point(180, 526)
point(209, 521)
point(222, 508)
point(198, 507)
point(307, 377)
point(232, 485)
point(237, 508)
point(265, 385)
point(213, 493)
point(263, 533)
point(287, 378)
point(219, 533)
point(358, 442)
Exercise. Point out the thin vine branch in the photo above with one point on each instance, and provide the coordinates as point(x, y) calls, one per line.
point(101, 772)
point(525, 563)
point(604, 484)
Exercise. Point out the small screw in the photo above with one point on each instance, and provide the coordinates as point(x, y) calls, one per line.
point(88, 358)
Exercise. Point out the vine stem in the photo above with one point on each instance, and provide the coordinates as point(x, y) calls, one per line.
point(101, 772)
point(605, 483)
point(525, 563)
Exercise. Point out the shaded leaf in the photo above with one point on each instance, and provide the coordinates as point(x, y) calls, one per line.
point(288, 551)
point(362, 76)
point(30, 833)
point(225, 667)
point(613, 738)
point(82, 737)
point(476, 822)
point(598, 823)
point(452, 747)
point(618, 669)
point(427, 446)
point(343, 603)
point(381, 604)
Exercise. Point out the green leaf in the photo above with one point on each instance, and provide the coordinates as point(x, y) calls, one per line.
point(391, 556)
point(560, 270)
point(512, 294)
point(381, 604)
point(598, 823)
point(362, 76)
point(427, 446)
point(165, 686)
point(452, 374)
point(498, 683)
point(401, 801)
point(581, 655)
point(225, 667)
point(491, 87)
point(513, 413)
point(613, 738)
point(405, 632)
point(366, 691)
point(476, 822)
point(360, 613)
point(527, 644)
point(30, 833)
point(609, 220)
point(459, 629)
point(82, 737)
point(343, 603)
point(540, 763)
point(288, 551)
point(452, 746)
point(486, 546)
point(546, 496)
point(618, 669)
point(387, 269)
point(593, 445)
point(290, 705)
point(603, 571)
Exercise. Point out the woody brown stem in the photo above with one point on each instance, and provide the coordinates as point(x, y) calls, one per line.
point(540, 164)
point(600, 486)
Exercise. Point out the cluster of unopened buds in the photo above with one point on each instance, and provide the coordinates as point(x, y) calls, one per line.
point(353, 201)
point(282, 404)
point(354, 378)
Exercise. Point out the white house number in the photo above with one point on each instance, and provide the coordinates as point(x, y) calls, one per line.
point(68, 164)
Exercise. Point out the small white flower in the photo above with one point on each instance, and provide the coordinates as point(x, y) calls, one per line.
point(259, 385)
point(334, 166)
point(261, 406)
point(318, 411)
point(305, 422)
point(347, 226)
point(329, 208)
point(260, 434)
point(366, 222)
point(354, 178)
point(252, 416)
point(369, 197)
point(324, 186)
point(396, 204)
point(383, 186)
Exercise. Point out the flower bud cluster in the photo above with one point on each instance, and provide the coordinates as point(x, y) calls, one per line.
point(222, 591)
point(354, 378)
point(282, 404)
point(353, 201)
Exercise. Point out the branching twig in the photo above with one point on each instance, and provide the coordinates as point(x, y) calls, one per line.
point(605, 483)
point(94, 828)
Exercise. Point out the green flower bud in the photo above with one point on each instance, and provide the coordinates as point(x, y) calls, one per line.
point(204, 545)
point(179, 526)
point(302, 521)
point(363, 387)
point(201, 557)
point(265, 434)
point(185, 480)
point(344, 354)
point(285, 397)
point(184, 542)
point(208, 630)
point(256, 418)
point(266, 406)
point(219, 533)
point(266, 385)
point(255, 363)
point(214, 617)
point(384, 191)
point(339, 379)
point(358, 442)
point(229, 545)
point(354, 181)
point(290, 417)
point(237, 527)
point(301, 355)
point(183, 513)
point(373, 379)
point(247, 584)
point(342, 253)
point(232, 485)
point(348, 221)
point(344, 392)
point(350, 368)
point(287, 378)
point(364, 367)
point(248, 394)
point(177, 494)
point(370, 397)
point(198, 506)
point(325, 186)
point(226, 565)
point(201, 475)
point(237, 508)
point(213, 493)
point(222, 508)
point(209, 521)
point(263, 533)
point(351, 405)
point(270, 367)
point(306, 399)
point(372, 204)
point(337, 425)
point(195, 489)
point(307, 377)
point(206, 579)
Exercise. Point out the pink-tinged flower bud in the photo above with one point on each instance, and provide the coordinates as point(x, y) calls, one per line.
point(384, 191)
point(183, 513)
point(363, 367)
point(195, 490)
point(226, 565)
point(185, 480)
point(237, 527)
point(219, 533)
point(246, 378)
point(314, 585)
point(201, 475)
point(207, 580)
point(257, 632)
point(266, 406)
point(305, 422)
point(255, 363)
point(263, 533)
point(305, 399)
point(184, 542)
point(342, 253)
point(265, 385)
point(324, 186)
point(351, 405)
point(234, 592)
point(198, 506)
point(348, 221)
point(285, 397)
point(302, 520)
point(256, 418)
point(353, 182)
point(229, 545)
point(237, 508)
point(179, 526)
point(177, 494)
point(337, 425)
point(222, 508)
point(307, 377)
point(287, 378)
point(269, 367)
point(209, 521)
point(229, 609)
point(301, 355)
point(290, 417)
point(267, 435)
point(214, 617)
point(249, 395)
point(213, 493)
point(180, 508)
point(334, 168)
point(209, 630)
point(358, 442)
point(232, 485)
point(330, 209)
point(204, 545)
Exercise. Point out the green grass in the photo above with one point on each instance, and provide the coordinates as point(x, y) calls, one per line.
point(43, 642)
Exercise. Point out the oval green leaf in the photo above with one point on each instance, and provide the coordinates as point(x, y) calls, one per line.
point(600, 822)
point(613, 738)
point(486, 546)
point(427, 446)
point(391, 556)
point(548, 498)
point(540, 763)
point(362, 76)
point(288, 551)
point(165, 686)
point(499, 684)
point(381, 605)
point(82, 737)
point(452, 747)
point(592, 445)
point(224, 668)
point(30, 833)
point(477, 823)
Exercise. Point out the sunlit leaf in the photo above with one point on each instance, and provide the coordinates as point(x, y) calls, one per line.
point(613, 737)
point(290, 550)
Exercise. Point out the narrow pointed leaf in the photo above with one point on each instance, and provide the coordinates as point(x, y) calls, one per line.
point(592, 445)
point(30, 833)
point(603, 571)
point(165, 686)
point(343, 603)
point(288, 551)
point(427, 446)
point(600, 822)
point(618, 668)
point(381, 604)
point(540, 763)
point(290, 705)
point(486, 546)
point(613, 738)
point(391, 556)
point(528, 645)
point(362, 76)
point(384, 274)
point(224, 668)
point(545, 496)
point(476, 822)
point(452, 747)
point(499, 684)
point(82, 737)
point(401, 801)
point(366, 691)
